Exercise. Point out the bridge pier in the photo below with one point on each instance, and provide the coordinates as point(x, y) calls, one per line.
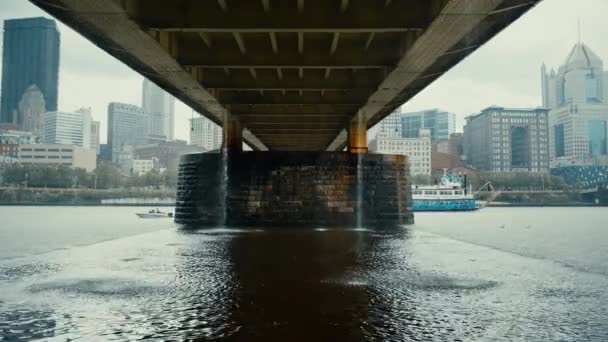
point(233, 133)
point(286, 189)
point(357, 134)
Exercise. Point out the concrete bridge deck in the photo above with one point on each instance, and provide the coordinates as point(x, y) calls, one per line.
point(296, 74)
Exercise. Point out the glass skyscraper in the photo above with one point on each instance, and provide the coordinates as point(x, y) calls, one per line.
point(597, 138)
point(408, 125)
point(441, 124)
point(127, 126)
point(30, 56)
point(159, 105)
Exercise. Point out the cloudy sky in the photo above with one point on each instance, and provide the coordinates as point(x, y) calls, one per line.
point(505, 71)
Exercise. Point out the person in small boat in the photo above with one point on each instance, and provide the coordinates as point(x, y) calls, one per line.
point(157, 211)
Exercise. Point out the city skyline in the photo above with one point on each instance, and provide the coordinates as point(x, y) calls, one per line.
point(479, 81)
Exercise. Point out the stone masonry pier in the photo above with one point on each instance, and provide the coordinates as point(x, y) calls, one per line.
point(293, 189)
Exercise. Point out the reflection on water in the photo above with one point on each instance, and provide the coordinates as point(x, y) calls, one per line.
point(296, 285)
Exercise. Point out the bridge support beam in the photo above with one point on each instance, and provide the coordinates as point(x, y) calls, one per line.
point(233, 133)
point(288, 189)
point(357, 134)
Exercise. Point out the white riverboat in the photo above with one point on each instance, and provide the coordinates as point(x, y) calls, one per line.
point(448, 195)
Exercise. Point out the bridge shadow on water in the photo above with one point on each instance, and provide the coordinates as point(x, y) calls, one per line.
point(258, 284)
point(301, 284)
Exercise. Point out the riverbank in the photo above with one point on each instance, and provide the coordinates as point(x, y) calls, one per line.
point(86, 197)
point(549, 198)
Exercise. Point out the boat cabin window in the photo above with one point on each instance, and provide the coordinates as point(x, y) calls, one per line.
point(417, 192)
point(458, 192)
point(429, 192)
point(445, 192)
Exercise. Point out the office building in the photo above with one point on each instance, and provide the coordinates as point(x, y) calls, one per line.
point(440, 123)
point(205, 133)
point(159, 106)
point(31, 110)
point(579, 80)
point(578, 134)
point(507, 140)
point(105, 152)
point(407, 125)
point(578, 97)
point(166, 153)
point(10, 139)
point(66, 155)
point(68, 128)
point(390, 126)
point(417, 149)
point(95, 136)
point(142, 166)
point(127, 126)
point(86, 126)
point(30, 56)
point(16, 137)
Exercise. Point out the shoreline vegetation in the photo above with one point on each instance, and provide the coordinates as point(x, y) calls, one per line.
point(15, 196)
point(87, 197)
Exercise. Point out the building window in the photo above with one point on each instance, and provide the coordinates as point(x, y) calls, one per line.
point(591, 88)
point(520, 147)
point(559, 140)
point(597, 138)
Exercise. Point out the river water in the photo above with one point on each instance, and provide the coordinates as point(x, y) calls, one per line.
point(499, 274)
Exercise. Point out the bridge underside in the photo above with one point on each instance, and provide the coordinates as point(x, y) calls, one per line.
point(296, 76)
point(293, 73)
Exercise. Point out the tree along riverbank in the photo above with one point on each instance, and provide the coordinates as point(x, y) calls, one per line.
point(70, 196)
point(555, 198)
point(166, 197)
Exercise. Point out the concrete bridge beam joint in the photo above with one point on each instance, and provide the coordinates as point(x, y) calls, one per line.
point(233, 133)
point(357, 134)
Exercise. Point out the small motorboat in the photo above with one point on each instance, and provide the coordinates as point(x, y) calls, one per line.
point(154, 214)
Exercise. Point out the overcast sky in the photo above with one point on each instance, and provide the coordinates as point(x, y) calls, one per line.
point(505, 71)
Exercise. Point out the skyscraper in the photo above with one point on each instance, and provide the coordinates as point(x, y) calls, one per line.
point(95, 135)
point(127, 126)
point(68, 128)
point(579, 80)
point(408, 125)
point(30, 56)
point(30, 112)
point(205, 133)
point(578, 97)
point(159, 106)
point(87, 120)
point(441, 124)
